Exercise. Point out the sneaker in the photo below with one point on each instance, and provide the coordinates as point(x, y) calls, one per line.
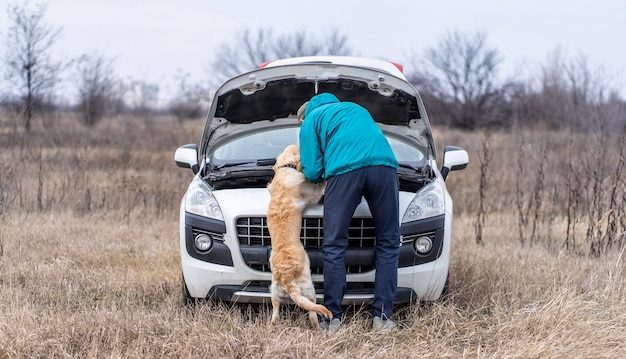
point(332, 326)
point(383, 326)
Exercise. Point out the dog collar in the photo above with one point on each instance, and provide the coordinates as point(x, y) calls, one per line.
point(290, 166)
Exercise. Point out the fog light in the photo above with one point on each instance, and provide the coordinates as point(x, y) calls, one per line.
point(423, 245)
point(203, 242)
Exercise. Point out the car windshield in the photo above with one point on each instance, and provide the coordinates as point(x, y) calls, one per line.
point(269, 144)
point(259, 145)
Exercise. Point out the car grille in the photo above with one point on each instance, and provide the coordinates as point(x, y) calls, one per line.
point(253, 232)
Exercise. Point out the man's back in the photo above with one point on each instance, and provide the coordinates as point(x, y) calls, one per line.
point(339, 137)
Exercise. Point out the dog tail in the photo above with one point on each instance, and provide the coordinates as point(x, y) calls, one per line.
point(305, 303)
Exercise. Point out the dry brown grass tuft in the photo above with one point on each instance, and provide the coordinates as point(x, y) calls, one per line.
point(89, 263)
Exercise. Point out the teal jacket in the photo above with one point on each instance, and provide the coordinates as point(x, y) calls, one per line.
point(339, 137)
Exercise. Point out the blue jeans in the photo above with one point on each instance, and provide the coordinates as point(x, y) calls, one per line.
point(379, 186)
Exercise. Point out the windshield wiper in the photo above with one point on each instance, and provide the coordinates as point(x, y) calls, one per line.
point(266, 162)
point(232, 164)
point(260, 162)
point(420, 171)
point(411, 167)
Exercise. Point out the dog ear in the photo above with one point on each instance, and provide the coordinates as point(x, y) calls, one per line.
point(280, 159)
point(292, 154)
point(295, 158)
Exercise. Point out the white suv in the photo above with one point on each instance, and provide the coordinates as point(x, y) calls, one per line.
point(224, 241)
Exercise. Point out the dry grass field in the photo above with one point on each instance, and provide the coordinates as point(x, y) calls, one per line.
point(89, 261)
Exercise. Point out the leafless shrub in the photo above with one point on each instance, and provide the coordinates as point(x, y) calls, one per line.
point(573, 197)
point(530, 167)
point(96, 85)
point(573, 94)
point(8, 173)
point(191, 100)
point(584, 190)
point(616, 207)
point(39, 185)
point(484, 160)
point(460, 75)
point(520, 196)
point(596, 213)
point(538, 191)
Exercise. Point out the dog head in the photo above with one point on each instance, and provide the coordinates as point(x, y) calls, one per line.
point(288, 158)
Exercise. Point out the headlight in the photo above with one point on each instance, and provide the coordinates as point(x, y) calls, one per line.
point(200, 200)
point(428, 202)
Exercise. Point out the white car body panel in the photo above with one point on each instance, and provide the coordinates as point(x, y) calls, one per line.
point(342, 60)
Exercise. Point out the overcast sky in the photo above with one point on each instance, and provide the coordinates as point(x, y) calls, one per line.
point(152, 40)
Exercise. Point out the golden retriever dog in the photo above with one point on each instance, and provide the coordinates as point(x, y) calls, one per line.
point(291, 273)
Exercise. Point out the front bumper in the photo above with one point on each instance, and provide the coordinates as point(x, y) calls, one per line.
point(238, 271)
point(261, 294)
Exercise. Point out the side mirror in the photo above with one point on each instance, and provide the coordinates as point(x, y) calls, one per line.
point(454, 158)
point(187, 157)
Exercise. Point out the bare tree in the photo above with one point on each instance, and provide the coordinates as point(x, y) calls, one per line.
point(30, 68)
point(243, 55)
point(336, 44)
point(571, 93)
point(250, 50)
point(96, 84)
point(460, 72)
point(190, 100)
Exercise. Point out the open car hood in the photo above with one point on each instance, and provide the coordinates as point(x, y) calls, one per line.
point(270, 97)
